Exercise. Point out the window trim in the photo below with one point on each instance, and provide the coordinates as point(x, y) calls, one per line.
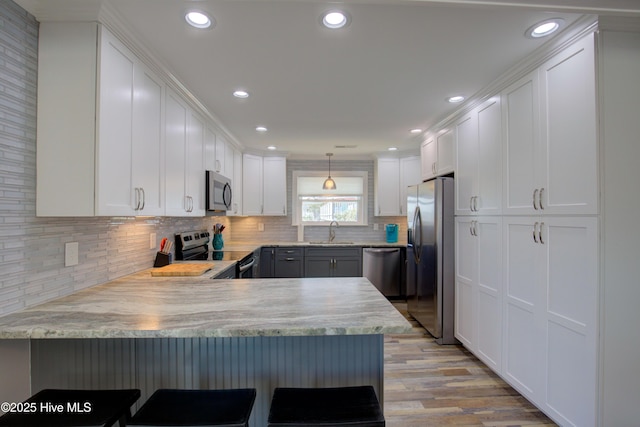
point(295, 199)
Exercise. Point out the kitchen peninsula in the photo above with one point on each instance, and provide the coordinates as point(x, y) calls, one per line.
point(184, 332)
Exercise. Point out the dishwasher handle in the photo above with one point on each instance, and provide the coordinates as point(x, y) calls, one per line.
point(382, 250)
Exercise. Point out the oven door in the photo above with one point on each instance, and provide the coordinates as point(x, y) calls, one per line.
point(219, 195)
point(245, 267)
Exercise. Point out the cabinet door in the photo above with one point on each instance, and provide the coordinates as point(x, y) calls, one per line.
point(387, 176)
point(236, 184)
point(466, 290)
point(221, 147)
point(489, 158)
point(318, 266)
point(274, 186)
point(347, 267)
point(569, 133)
point(520, 119)
point(488, 233)
point(228, 161)
point(210, 149)
point(428, 158)
point(252, 185)
point(523, 306)
point(409, 175)
point(148, 142)
point(115, 195)
point(195, 179)
point(445, 151)
point(267, 262)
point(570, 259)
point(175, 160)
point(467, 164)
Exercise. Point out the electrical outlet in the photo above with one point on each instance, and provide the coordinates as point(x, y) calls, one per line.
point(152, 241)
point(376, 227)
point(70, 254)
point(261, 226)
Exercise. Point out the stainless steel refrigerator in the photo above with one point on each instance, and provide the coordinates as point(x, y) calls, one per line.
point(430, 257)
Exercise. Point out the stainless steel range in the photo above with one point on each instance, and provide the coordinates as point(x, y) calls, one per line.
point(194, 245)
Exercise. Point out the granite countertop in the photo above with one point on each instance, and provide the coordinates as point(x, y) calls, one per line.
point(141, 306)
point(251, 246)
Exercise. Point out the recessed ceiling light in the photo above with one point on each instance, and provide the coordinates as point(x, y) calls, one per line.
point(544, 28)
point(198, 19)
point(261, 129)
point(455, 99)
point(241, 94)
point(416, 130)
point(335, 19)
point(392, 148)
point(272, 147)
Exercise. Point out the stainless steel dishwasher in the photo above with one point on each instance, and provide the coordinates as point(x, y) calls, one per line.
point(382, 267)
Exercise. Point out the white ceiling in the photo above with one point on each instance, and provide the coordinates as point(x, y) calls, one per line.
point(366, 85)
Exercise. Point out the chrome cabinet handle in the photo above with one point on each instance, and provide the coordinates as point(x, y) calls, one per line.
point(289, 259)
point(540, 198)
point(137, 201)
point(471, 203)
point(475, 203)
point(540, 233)
point(144, 197)
point(535, 231)
point(535, 194)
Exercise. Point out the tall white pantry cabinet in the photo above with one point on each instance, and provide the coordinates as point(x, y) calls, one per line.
point(547, 259)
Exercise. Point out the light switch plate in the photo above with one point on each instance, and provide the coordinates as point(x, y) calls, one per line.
point(152, 241)
point(261, 226)
point(375, 227)
point(70, 254)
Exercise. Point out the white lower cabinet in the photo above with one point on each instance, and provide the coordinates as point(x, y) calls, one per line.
point(478, 312)
point(550, 314)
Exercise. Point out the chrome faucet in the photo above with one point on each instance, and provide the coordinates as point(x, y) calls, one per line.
point(332, 232)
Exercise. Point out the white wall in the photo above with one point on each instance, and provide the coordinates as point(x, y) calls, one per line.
point(620, 145)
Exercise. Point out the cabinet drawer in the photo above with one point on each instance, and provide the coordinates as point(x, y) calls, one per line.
point(288, 252)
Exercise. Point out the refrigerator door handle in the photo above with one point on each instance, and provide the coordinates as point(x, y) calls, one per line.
point(417, 224)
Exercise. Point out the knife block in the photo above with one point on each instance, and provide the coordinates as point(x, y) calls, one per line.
point(162, 259)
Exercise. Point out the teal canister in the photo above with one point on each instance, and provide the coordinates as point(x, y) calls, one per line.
point(392, 233)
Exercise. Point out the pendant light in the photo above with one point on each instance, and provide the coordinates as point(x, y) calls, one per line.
point(329, 183)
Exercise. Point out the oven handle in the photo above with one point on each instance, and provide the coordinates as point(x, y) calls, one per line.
point(245, 267)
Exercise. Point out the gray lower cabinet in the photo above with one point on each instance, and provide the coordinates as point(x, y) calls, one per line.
point(333, 262)
point(289, 262)
point(267, 262)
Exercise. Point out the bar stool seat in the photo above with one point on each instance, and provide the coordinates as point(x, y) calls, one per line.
point(171, 407)
point(69, 408)
point(326, 407)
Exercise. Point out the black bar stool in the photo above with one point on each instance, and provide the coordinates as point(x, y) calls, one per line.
point(68, 408)
point(326, 407)
point(170, 407)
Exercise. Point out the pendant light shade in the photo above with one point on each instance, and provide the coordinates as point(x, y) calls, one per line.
point(329, 183)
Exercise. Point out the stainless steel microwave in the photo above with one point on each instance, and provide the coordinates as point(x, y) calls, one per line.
point(219, 195)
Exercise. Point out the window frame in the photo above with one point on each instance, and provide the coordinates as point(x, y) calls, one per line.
point(296, 203)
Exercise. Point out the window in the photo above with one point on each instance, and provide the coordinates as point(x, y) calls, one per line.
point(315, 206)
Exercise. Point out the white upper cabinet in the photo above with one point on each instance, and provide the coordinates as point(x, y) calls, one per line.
point(410, 174)
point(236, 184)
point(184, 171)
point(100, 136)
point(479, 166)
point(392, 177)
point(264, 185)
point(438, 154)
point(551, 138)
point(387, 184)
point(569, 132)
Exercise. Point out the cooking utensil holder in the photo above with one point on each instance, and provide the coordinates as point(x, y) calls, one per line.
point(162, 259)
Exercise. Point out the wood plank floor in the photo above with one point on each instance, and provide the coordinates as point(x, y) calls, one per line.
point(426, 384)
